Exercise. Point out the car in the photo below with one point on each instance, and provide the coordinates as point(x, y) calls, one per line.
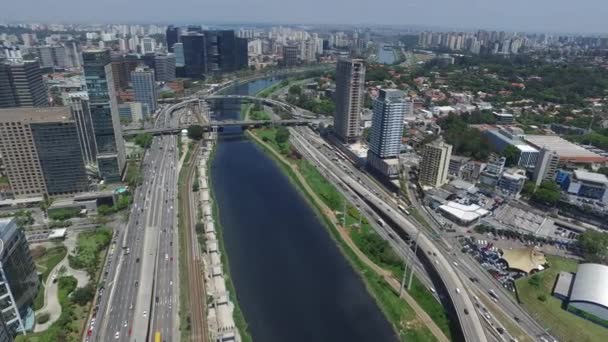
point(457, 290)
point(145, 314)
point(136, 283)
point(466, 311)
point(157, 299)
point(117, 335)
point(137, 260)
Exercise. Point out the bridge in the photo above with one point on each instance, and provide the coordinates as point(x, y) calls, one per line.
point(220, 125)
point(301, 118)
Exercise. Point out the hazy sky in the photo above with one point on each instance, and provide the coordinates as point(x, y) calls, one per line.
point(530, 15)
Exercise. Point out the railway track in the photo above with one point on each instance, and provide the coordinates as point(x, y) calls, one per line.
point(196, 284)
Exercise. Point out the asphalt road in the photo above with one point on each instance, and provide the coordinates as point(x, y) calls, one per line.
point(470, 323)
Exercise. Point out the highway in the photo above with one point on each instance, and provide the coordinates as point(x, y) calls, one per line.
point(124, 311)
point(470, 323)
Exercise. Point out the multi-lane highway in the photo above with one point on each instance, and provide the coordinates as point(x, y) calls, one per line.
point(471, 326)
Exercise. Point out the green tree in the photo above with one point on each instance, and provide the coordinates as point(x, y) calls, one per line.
point(511, 153)
point(594, 245)
point(144, 140)
point(548, 193)
point(195, 132)
point(282, 135)
point(528, 188)
point(83, 295)
point(295, 90)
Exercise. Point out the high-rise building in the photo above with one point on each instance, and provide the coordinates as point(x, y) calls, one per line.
point(79, 104)
point(387, 123)
point(144, 87)
point(220, 48)
point(242, 53)
point(435, 163)
point(546, 166)
point(104, 112)
point(195, 55)
point(42, 151)
point(290, 55)
point(19, 282)
point(51, 56)
point(21, 85)
point(350, 79)
point(164, 67)
point(148, 45)
point(172, 35)
point(120, 72)
point(178, 49)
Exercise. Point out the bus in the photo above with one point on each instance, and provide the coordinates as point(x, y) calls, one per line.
point(402, 208)
point(157, 337)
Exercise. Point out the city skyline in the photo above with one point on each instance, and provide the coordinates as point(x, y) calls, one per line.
point(540, 16)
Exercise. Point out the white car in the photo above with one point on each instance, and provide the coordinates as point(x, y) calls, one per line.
point(124, 324)
point(145, 313)
point(117, 335)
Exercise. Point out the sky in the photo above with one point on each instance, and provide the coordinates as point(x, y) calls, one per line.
point(565, 16)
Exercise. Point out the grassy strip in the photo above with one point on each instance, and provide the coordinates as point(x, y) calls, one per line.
point(184, 291)
point(45, 264)
point(239, 317)
point(399, 313)
point(535, 294)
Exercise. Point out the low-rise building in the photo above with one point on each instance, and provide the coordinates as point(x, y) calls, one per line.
point(589, 185)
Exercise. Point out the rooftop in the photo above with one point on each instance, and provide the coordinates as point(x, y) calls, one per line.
point(590, 176)
point(42, 114)
point(464, 212)
point(566, 150)
point(525, 148)
point(525, 259)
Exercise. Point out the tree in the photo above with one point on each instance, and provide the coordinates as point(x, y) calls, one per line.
point(295, 90)
point(83, 295)
point(282, 135)
point(195, 132)
point(528, 188)
point(594, 246)
point(144, 140)
point(511, 153)
point(548, 193)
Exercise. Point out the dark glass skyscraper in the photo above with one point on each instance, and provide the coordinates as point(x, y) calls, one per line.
point(242, 53)
point(221, 47)
point(194, 55)
point(172, 34)
point(104, 113)
point(21, 85)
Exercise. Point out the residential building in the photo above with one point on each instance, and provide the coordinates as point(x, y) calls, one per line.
point(350, 81)
point(546, 166)
point(42, 152)
point(104, 112)
point(19, 282)
point(21, 85)
point(51, 56)
point(148, 45)
point(493, 171)
point(164, 67)
point(144, 87)
point(457, 164)
point(172, 35)
point(435, 163)
point(387, 123)
point(290, 55)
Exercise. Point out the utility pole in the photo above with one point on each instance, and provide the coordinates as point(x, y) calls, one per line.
point(344, 214)
point(409, 284)
point(403, 280)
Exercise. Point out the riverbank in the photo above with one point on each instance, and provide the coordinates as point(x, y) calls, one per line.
point(409, 320)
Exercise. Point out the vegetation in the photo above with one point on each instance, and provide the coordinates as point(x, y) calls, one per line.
point(46, 260)
point(89, 246)
point(22, 217)
point(134, 176)
point(511, 153)
point(547, 193)
point(144, 140)
point(465, 141)
point(3, 180)
point(195, 132)
point(297, 97)
point(123, 202)
point(594, 246)
point(43, 318)
point(535, 295)
point(83, 295)
point(61, 214)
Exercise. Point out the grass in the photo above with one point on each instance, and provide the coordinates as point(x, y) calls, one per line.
point(134, 176)
point(550, 313)
point(398, 312)
point(44, 265)
point(89, 248)
point(239, 317)
point(259, 115)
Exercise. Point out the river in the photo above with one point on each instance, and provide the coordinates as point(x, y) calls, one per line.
point(292, 282)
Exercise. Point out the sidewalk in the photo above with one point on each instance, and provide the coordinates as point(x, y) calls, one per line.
point(386, 275)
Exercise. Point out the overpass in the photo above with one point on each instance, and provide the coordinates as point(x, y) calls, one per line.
point(302, 119)
point(220, 125)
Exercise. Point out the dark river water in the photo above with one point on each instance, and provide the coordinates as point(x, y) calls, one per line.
point(292, 282)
